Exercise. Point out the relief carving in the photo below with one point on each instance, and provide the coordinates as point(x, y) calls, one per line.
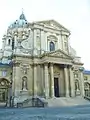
point(24, 68)
point(22, 35)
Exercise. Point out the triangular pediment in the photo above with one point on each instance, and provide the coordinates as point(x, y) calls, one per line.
point(60, 53)
point(53, 24)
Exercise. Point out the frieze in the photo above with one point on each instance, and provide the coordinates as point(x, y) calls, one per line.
point(56, 60)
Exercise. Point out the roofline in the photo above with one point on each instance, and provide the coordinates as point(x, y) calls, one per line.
point(54, 21)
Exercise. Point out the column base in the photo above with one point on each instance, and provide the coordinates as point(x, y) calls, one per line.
point(67, 94)
point(77, 92)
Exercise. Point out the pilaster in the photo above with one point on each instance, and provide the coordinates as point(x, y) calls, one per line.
point(42, 41)
point(82, 84)
point(35, 80)
point(46, 80)
point(72, 82)
point(16, 79)
point(34, 41)
point(52, 79)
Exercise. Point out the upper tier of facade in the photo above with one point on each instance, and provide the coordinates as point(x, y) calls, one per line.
point(35, 39)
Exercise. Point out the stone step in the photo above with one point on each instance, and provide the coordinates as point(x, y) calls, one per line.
point(57, 102)
point(2, 104)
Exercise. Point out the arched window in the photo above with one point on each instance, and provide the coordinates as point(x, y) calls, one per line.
point(52, 46)
point(9, 42)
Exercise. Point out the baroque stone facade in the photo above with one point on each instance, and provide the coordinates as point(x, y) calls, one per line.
point(39, 62)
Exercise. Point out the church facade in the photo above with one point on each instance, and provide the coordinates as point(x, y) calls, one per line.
point(37, 60)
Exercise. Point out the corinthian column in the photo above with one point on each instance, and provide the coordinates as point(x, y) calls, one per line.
point(82, 84)
point(72, 82)
point(66, 80)
point(52, 80)
point(46, 81)
point(35, 79)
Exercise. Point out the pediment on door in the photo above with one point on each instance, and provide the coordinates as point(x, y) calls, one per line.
point(60, 54)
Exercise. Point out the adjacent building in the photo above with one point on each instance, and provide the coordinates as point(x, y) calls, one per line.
point(87, 82)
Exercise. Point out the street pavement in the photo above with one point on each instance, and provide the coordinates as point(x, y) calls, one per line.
point(62, 113)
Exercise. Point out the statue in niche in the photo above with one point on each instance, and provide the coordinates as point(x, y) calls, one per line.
point(24, 83)
point(77, 85)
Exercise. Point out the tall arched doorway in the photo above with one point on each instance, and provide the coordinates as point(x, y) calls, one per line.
point(4, 89)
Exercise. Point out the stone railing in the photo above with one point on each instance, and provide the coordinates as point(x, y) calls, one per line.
point(33, 102)
point(87, 95)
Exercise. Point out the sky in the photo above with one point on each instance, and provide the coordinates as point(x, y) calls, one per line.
point(73, 14)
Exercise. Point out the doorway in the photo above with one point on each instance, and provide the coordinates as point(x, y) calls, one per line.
point(56, 87)
point(3, 95)
point(4, 90)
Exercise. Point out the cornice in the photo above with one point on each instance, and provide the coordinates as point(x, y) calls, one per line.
point(78, 63)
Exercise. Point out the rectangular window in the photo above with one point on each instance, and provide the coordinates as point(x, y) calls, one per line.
point(4, 73)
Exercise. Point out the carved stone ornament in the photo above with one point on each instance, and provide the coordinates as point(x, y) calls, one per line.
point(23, 35)
point(24, 68)
point(26, 51)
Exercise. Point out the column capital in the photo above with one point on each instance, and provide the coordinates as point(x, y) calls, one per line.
point(65, 66)
point(51, 63)
point(46, 64)
point(34, 64)
point(71, 67)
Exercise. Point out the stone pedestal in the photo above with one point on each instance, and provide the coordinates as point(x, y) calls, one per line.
point(77, 92)
point(23, 95)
